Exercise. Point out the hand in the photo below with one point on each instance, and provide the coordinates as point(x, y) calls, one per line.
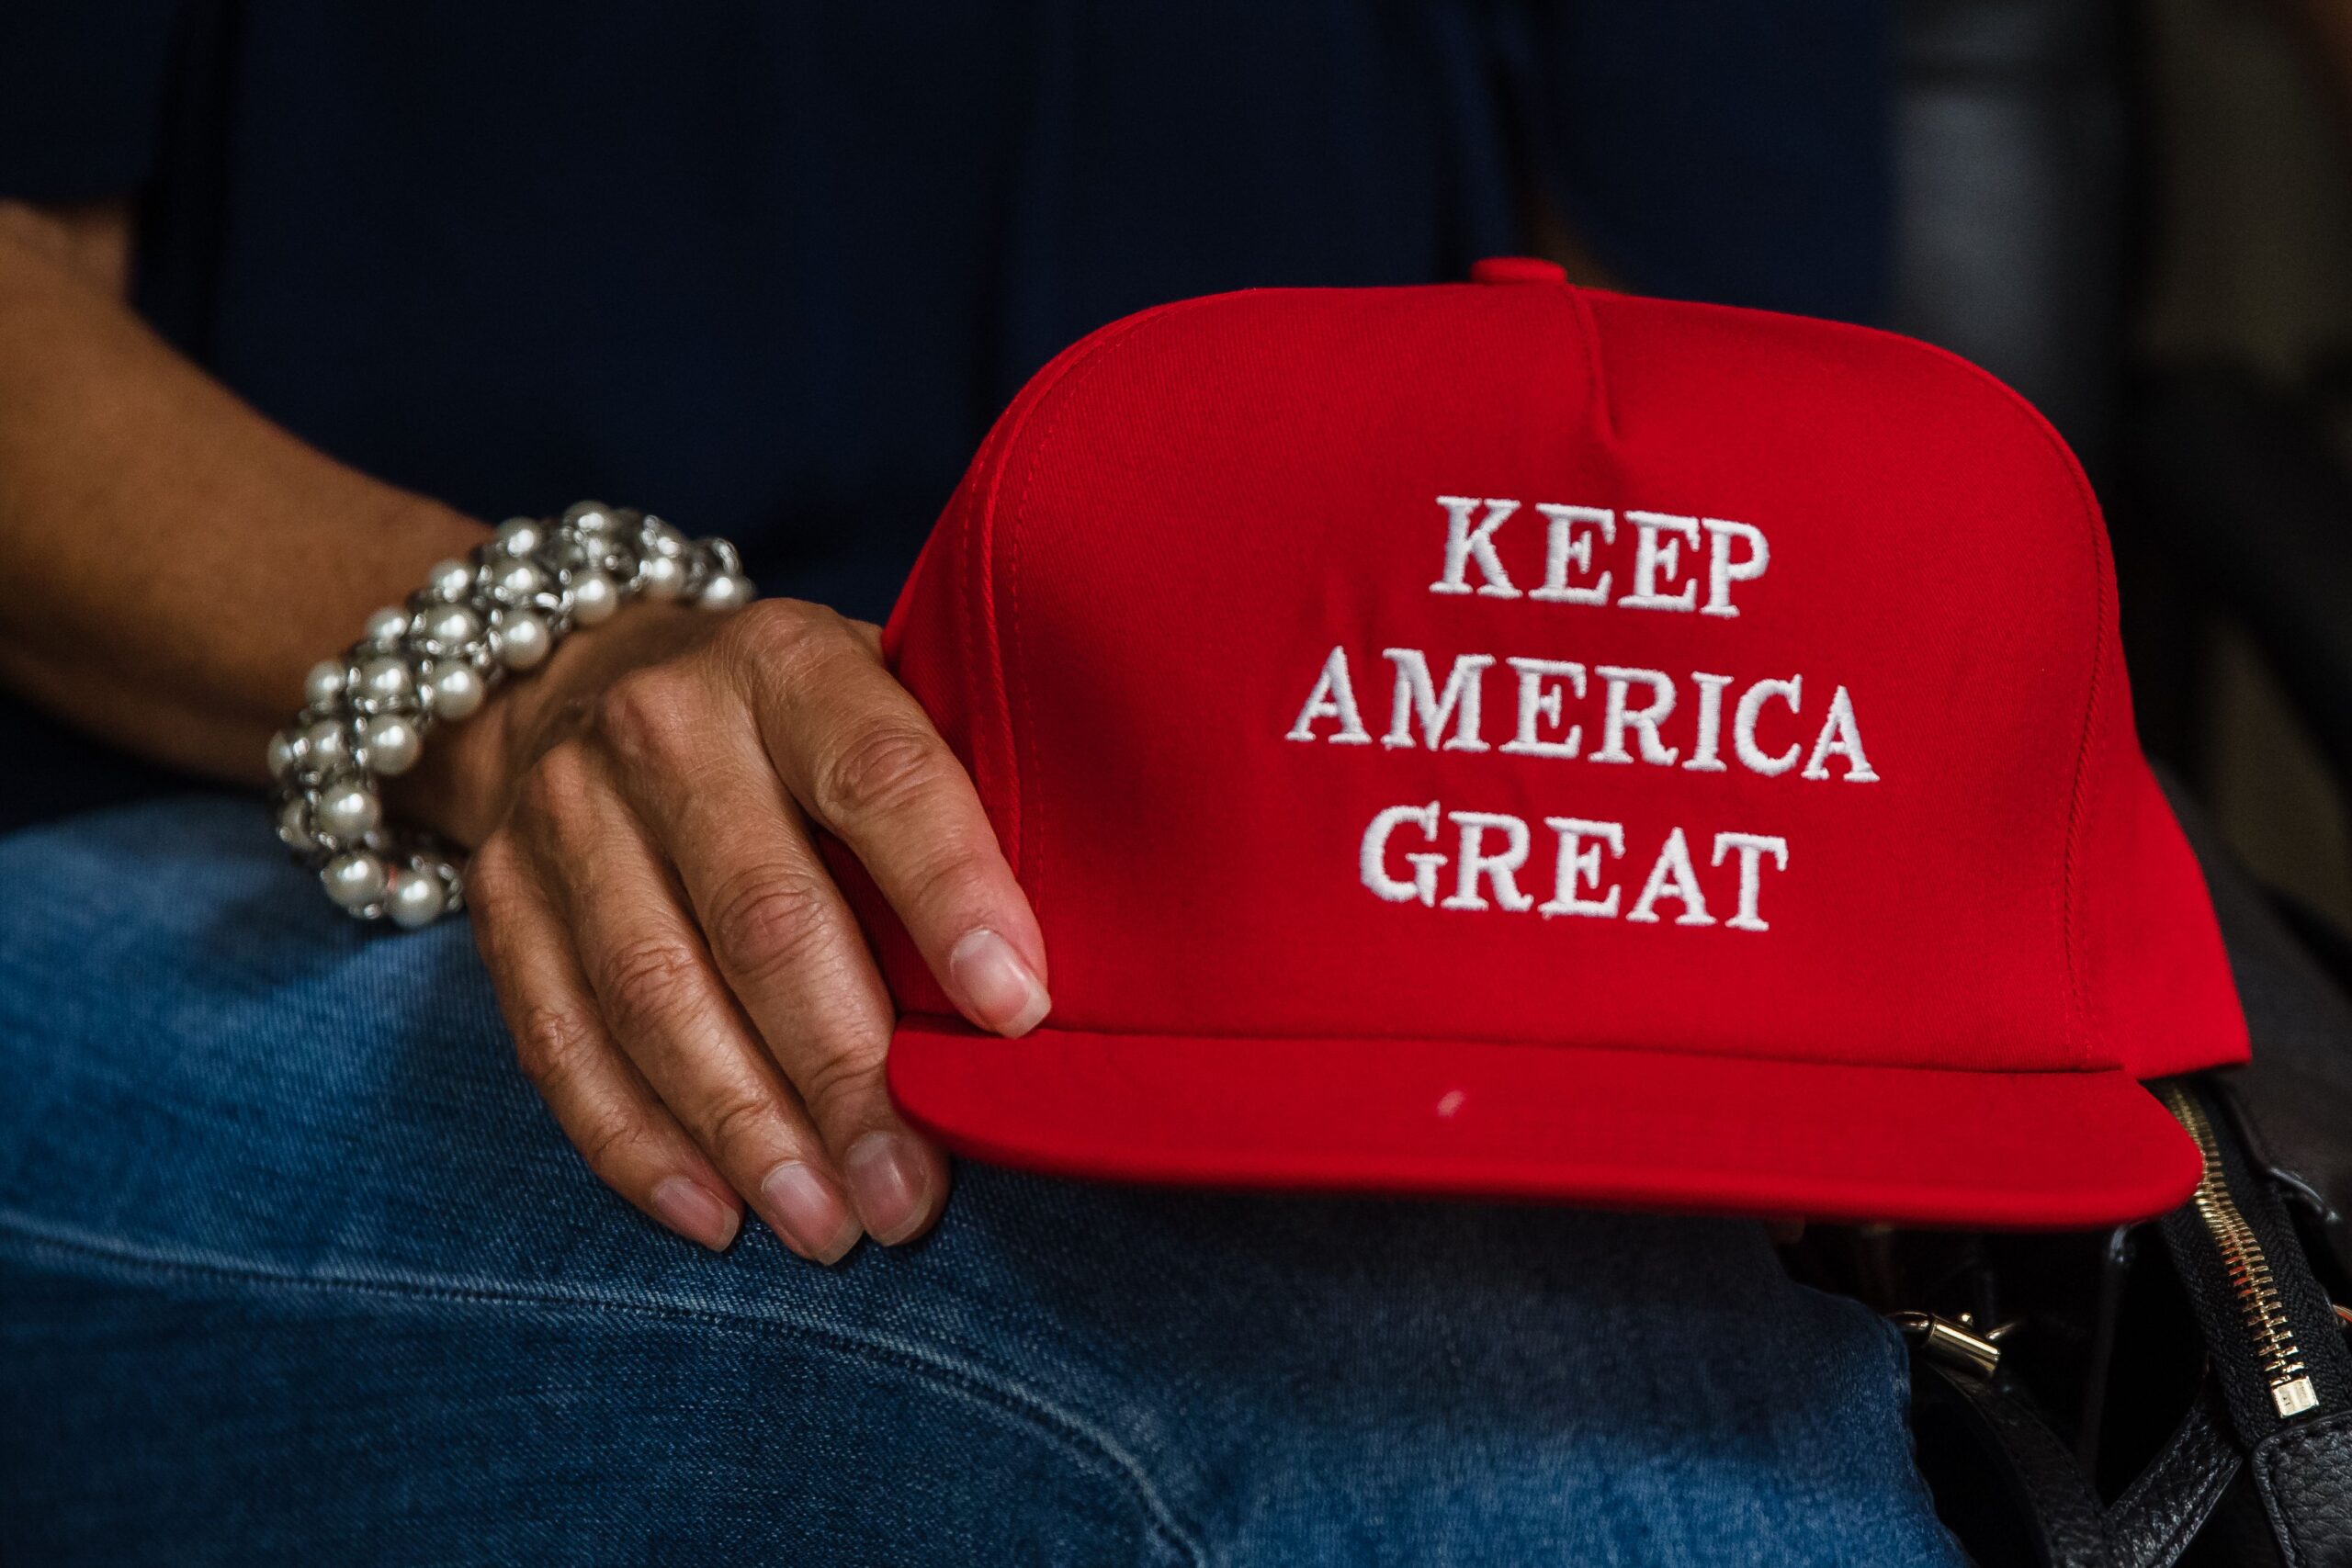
point(684, 983)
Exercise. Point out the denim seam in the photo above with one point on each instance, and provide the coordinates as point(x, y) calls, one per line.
point(1085, 1442)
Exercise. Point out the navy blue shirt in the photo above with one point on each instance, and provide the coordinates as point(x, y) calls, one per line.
point(771, 269)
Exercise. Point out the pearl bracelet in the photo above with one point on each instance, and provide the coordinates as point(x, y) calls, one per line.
point(500, 611)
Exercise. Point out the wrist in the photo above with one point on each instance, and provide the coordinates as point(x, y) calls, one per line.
point(457, 788)
point(430, 666)
point(462, 786)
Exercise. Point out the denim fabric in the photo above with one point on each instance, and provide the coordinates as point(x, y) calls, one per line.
point(295, 1268)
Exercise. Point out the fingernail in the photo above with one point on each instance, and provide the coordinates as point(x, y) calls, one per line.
point(695, 1212)
point(804, 1208)
point(891, 1181)
point(1000, 990)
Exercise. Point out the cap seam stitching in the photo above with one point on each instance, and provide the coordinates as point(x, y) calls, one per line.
point(2079, 1022)
point(1031, 844)
point(1588, 333)
point(981, 521)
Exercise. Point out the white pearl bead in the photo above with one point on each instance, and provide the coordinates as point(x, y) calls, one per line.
point(517, 580)
point(455, 691)
point(415, 900)
point(323, 683)
point(386, 626)
point(349, 811)
point(354, 879)
point(726, 591)
point(590, 516)
point(519, 535)
point(285, 749)
point(594, 598)
point(523, 640)
point(293, 823)
point(385, 679)
point(452, 625)
point(450, 579)
point(660, 577)
point(391, 742)
point(322, 744)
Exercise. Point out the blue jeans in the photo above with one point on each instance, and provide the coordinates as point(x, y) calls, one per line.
point(295, 1268)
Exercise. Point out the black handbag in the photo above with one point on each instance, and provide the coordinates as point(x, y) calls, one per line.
point(2178, 1392)
point(2257, 1470)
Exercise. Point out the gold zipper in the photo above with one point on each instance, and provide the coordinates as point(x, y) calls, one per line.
point(2247, 1266)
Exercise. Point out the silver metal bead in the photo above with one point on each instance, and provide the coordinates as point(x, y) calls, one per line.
point(386, 679)
point(594, 598)
point(522, 640)
point(392, 744)
point(726, 591)
point(520, 536)
point(294, 823)
point(660, 577)
point(455, 692)
point(450, 579)
point(516, 580)
point(354, 879)
point(324, 744)
point(578, 552)
point(349, 810)
point(386, 626)
point(285, 749)
point(416, 898)
point(591, 517)
point(323, 683)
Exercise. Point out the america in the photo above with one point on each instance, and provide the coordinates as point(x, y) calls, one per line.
point(1627, 715)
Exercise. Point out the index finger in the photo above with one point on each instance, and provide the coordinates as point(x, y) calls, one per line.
point(864, 762)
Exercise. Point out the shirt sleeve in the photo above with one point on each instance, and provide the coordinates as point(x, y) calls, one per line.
point(82, 89)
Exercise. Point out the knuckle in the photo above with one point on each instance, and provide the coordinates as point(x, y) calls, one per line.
point(783, 656)
point(951, 881)
point(649, 714)
point(877, 772)
point(831, 1081)
point(741, 1123)
point(648, 980)
point(491, 871)
point(770, 630)
point(551, 1046)
point(766, 920)
point(561, 784)
point(610, 1144)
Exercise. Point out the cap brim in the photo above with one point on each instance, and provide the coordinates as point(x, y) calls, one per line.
point(1608, 1128)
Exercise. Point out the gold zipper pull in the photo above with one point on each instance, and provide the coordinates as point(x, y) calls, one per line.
point(1953, 1344)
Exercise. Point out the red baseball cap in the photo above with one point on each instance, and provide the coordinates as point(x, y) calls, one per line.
point(1509, 740)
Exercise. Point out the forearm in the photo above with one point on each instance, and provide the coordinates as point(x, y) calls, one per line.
point(171, 562)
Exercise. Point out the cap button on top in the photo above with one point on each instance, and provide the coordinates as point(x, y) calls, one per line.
point(1517, 269)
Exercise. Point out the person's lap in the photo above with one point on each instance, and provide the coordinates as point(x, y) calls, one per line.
point(293, 1266)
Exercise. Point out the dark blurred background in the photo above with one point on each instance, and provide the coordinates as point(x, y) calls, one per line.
point(2140, 215)
point(778, 266)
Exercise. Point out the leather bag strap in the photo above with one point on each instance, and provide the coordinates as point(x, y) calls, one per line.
point(2245, 1414)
